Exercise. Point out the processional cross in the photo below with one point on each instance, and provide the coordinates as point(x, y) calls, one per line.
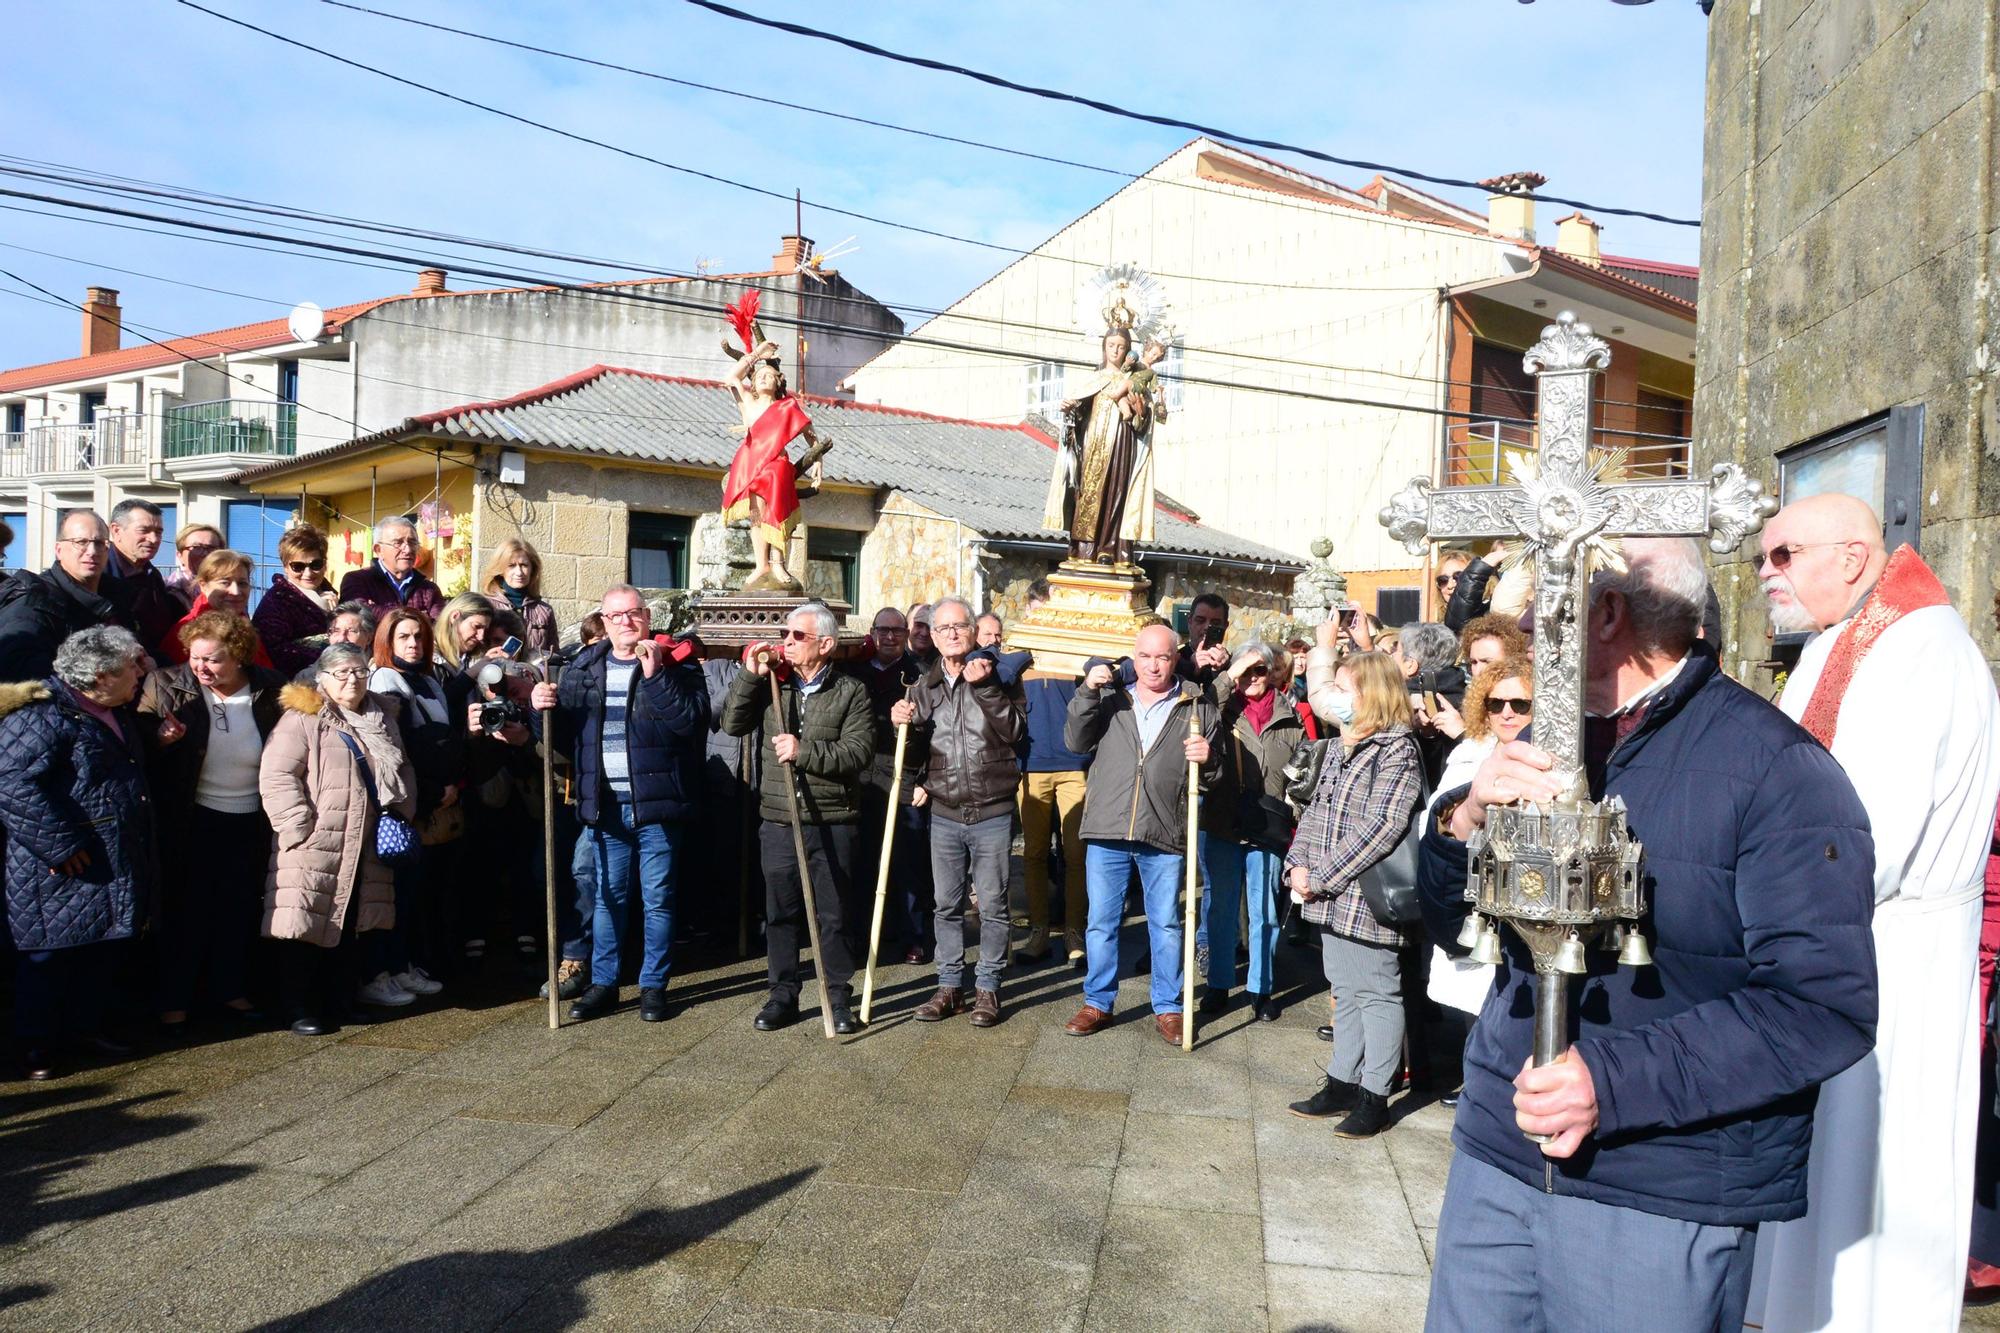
point(1566, 873)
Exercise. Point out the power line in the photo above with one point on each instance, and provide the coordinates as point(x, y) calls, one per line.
point(1112, 109)
point(713, 177)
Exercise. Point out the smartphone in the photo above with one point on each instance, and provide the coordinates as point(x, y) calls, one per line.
point(512, 646)
point(1347, 614)
point(1211, 636)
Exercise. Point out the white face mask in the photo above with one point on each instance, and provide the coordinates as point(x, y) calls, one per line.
point(1340, 703)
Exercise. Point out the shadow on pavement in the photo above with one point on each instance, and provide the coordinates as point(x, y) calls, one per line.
point(458, 1289)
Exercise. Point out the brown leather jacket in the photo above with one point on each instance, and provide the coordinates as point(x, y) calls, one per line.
point(972, 736)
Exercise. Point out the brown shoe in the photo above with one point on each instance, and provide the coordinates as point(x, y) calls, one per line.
point(1170, 1028)
point(947, 1001)
point(985, 1008)
point(1088, 1019)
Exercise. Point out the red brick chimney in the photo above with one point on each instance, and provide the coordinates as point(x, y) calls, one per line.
point(101, 320)
point(429, 282)
point(796, 250)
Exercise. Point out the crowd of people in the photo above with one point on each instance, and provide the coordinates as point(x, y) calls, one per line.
point(334, 807)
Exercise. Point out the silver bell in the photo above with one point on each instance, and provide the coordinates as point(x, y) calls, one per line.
point(1569, 956)
point(1469, 933)
point(1487, 950)
point(1636, 952)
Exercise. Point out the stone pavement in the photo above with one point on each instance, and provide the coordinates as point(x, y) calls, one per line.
point(466, 1168)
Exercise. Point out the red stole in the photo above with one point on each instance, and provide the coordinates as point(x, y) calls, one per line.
point(761, 467)
point(1907, 585)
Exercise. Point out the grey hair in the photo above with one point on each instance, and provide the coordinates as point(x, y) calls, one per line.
point(362, 611)
point(336, 653)
point(1430, 645)
point(971, 616)
point(91, 653)
point(131, 505)
point(1665, 587)
point(825, 623)
point(622, 587)
point(395, 521)
point(1262, 651)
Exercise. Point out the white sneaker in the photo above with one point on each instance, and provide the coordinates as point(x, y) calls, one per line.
point(384, 991)
point(417, 981)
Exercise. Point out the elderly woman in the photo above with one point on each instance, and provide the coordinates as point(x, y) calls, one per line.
point(434, 738)
point(80, 858)
point(204, 723)
point(514, 583)
point(332, 766)
point(292, 618)
point(1368, 789)
point(224, 581)
point(1246, 824)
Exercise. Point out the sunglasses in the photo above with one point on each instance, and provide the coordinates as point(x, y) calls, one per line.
point(1780, 557)
point(1522, 706)
point(798, 635)
point(301, 566)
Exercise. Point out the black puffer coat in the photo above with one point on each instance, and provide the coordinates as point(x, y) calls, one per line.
point(836, 735)
point(68, 785)
point(666, 736)
point(970, 735)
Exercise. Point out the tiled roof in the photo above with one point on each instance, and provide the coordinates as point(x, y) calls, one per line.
point(1607, 276)
point(270, 333)
point(993, 478)
point(1682, 280)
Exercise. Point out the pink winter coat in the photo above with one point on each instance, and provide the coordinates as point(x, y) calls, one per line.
point(323, 851)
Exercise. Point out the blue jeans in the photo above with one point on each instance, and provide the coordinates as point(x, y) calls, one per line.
point(575, 925)
point(654, 848)
point(1107, 868)
point(1221, 891)
point(1261, 872)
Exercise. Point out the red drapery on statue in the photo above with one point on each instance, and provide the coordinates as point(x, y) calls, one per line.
point(762, 468)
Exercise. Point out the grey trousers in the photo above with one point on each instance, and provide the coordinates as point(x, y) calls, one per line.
point(1367, 1011)
point(1511, 1256)
point(974, 854)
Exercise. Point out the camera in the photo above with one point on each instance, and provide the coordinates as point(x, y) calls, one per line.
point(504, 688)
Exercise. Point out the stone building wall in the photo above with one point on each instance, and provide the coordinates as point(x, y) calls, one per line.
point(1847, 262)
point(913, 554)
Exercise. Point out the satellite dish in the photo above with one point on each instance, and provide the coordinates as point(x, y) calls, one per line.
point(307, 322)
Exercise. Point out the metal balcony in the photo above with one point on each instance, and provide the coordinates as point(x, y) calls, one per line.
point(112, 440)
point(230, 426)
point(1484, 453)
point(13, 455)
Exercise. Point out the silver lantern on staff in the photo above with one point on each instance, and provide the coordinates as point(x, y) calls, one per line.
point(1566, 875)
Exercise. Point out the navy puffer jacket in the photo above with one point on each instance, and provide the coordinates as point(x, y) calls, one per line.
point(666, 736)
point(68, 785)
point(1759, 874)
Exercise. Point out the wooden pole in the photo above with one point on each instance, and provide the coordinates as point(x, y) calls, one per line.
point(1193, 891)
point(799, 851)
point(882, 874)
point(549, 847)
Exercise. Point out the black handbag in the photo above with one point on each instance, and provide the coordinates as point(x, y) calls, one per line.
point(1389, 887)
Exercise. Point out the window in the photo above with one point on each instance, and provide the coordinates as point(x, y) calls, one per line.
point(1170, 369)
point(1501, 385)
point(1398, 606)
point(93, 403)
point(15, 553)
point(1045, 382)
point(656, 549)
point(17, 418)
point(288, 381)
point(1879, 460)
point(170, 523)
point(833, 564)
point(254, 527)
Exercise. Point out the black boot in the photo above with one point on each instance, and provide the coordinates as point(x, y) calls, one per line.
point(596, 1001)
point(653, 1004)
point(1213, 1002)
point(1333, 1097)
point(1369, 1117)
point(776, 1014)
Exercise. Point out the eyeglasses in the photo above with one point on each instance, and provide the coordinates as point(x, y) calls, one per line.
point(218, 717)
point(1780, 557)
point(301, 566)
point(351, 673)
point(1255, 672)
point(636, 613)
point(1522, 706)
point(888, 631)
point(89, 543)
point(400, 542)
point(797, 635)
point(951, 627)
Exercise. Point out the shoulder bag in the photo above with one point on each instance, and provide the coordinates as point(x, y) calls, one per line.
point(1389, 887)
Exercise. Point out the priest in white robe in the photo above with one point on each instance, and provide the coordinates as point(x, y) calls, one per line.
point(1895, 686)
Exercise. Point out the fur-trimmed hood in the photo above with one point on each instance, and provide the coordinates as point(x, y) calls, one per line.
point(20, 695)
point(299, 698)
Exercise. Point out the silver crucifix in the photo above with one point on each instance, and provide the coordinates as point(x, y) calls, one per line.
point(1567, 873)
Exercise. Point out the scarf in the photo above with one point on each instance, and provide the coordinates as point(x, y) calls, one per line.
point(516, 597)
point(372, 729)
point(1258, 712)
point(1907, 585)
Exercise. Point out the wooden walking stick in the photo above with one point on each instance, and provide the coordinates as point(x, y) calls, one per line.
point(1193, 892)
point(549, 846)
point(882, 875)
point(799, 851)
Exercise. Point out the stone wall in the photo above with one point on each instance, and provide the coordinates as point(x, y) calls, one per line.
point(1847, 255)
point(913, 554)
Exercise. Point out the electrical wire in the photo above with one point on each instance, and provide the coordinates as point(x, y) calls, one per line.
point(1112, 109)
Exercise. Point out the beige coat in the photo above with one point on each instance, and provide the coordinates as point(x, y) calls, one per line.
point(323, 854)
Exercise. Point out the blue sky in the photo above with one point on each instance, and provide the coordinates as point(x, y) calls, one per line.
point(1604, 99)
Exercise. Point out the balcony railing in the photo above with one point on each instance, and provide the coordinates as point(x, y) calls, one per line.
point(113, 440)
point(231, 426)
point(1483, 453)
